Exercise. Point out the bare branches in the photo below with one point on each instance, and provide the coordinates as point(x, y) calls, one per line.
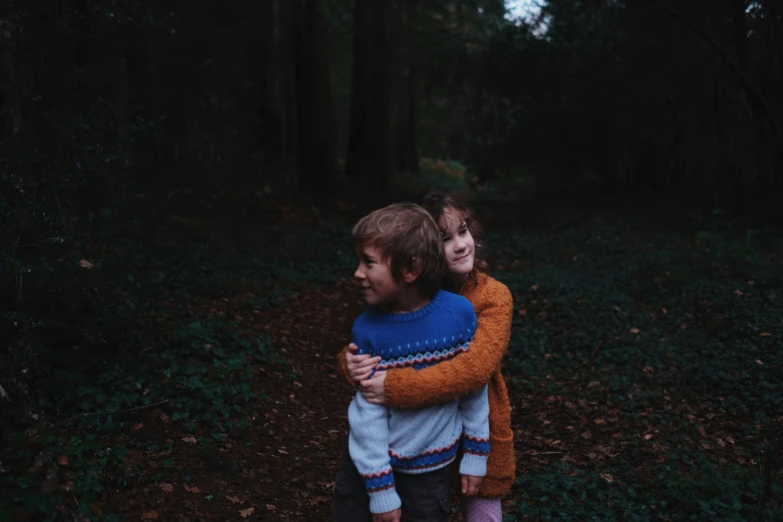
point(751, 91)
point(98, 414)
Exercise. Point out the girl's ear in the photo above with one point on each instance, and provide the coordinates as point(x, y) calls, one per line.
point(411, 272)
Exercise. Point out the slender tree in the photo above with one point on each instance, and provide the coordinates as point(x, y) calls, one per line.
point(315, 109)
point(368, 163)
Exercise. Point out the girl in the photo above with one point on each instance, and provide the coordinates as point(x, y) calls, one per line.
point(448, 380)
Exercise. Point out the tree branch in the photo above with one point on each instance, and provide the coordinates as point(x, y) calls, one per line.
point(747, 86)
point(98, 414)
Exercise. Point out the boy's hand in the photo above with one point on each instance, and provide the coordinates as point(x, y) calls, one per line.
point(373, 390)
point(471, 485)
point(391, 516)
point(359, 366)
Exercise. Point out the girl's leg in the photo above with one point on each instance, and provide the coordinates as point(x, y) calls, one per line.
point(478, 509)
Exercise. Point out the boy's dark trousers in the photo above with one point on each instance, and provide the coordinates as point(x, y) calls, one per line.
point(425, 497)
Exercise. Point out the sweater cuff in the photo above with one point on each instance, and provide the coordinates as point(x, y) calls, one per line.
point(475, 465)
point(384, 501)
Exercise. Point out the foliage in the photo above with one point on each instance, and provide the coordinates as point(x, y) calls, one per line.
point(663, 350)
point(104, 318)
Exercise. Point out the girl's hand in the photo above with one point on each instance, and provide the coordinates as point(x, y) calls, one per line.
point(471, 485)
point(373, 389)
point(359, 366)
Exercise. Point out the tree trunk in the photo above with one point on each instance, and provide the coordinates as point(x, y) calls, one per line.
point(403, 131)
point(368, 160)
point(12, 117)
point(121, 92)
point(277, 110)
point(315, 111)
point(66, 71)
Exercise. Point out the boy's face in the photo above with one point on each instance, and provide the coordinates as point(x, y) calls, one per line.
point(374, 275)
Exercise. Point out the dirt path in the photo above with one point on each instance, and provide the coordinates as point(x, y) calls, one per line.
point(307, 407)
point(282, 468)
point(309, 422)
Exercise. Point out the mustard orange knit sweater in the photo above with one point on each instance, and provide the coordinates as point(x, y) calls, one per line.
point(448, 380)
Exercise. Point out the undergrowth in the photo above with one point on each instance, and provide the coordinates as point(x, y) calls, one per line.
point(646, 362)
point(652, 366)
point(120, 324)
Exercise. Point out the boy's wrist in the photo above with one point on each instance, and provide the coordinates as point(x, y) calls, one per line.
point(475, 465)
point(384, 501)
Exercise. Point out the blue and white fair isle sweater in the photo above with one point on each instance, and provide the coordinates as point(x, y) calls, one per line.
point(423, 440)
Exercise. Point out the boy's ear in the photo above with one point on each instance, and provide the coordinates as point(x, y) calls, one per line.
point(412, 272)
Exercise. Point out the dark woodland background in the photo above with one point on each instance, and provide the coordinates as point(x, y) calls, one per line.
point(162, 161)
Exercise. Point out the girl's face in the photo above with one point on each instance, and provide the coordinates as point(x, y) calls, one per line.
point(458, 244)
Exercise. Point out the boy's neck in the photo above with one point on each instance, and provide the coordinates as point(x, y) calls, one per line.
point(409, 300)
point(454, 282)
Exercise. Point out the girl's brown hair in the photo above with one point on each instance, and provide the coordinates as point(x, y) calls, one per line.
point(438, 202)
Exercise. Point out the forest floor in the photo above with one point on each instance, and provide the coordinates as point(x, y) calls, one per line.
point(645, 373)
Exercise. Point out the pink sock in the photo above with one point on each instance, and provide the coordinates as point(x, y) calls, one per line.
point(478, 509)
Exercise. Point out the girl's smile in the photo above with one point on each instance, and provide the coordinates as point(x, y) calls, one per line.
point(458, 244)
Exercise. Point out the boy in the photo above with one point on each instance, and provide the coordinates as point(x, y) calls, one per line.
point(400, 460)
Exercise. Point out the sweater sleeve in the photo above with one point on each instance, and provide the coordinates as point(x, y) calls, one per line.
point(449, 380)
point(342, 367)
point(474, 410)
point(368, 445)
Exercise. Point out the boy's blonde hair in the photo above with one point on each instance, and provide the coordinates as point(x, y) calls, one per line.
point(407, 235)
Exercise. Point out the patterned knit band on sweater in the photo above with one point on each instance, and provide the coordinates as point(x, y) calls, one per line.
point(416, 440)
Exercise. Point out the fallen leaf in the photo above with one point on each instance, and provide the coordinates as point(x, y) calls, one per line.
point(284, 452)
point(189, 438)
point(594, 384)
point(137, 427)
point(193, 489)
point(85, 264)
point(63, 460)
point(234, 500)
point(702, 432)
point(648, 436)
point(244, 513)
point(607, 477)
point(634, 331)
point(766, 334)
point(149, 515)
point(168, 488)
point(95, 508)
point(587, 435)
